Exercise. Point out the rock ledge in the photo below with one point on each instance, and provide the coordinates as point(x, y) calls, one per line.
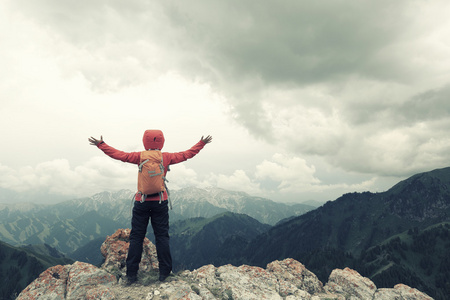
point(287, 279)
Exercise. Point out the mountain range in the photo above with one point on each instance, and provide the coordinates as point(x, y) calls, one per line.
point(71, 224)
point(194, 202)
point(400, 235)
point(199, 241)
point(376, 233)
point(78, 227)
point(358, 221)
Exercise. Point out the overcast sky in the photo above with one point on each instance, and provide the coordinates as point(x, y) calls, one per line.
point(304, 99)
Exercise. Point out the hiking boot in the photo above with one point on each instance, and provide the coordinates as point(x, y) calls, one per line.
point(163, 277)
point(130, 279)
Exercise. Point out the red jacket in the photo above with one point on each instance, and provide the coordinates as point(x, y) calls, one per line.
point(168, 159)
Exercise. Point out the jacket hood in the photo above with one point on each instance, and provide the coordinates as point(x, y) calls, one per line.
point(153, 139)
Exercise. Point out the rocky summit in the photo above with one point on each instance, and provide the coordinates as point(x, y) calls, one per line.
point(287, 279)
point(115, 248)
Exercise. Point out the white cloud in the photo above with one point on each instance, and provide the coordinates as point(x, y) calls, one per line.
point(238, 181)
point(326, 80)
point(280, 178)
point(294, 176)
point(180, 177)
point(292, 173)
point(57, 177)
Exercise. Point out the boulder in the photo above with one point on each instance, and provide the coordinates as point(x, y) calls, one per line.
point(287, 279)
point(293, 275)
point(400, 292)
point(70, 282)
point(350, 282)
point(409, 293)
point(115, 249)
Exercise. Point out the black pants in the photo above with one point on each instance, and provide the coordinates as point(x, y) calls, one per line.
point(159, 216)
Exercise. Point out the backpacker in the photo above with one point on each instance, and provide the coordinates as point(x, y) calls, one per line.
point(151, 174)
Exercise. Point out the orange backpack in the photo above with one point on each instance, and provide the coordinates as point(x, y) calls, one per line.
point(151, 174)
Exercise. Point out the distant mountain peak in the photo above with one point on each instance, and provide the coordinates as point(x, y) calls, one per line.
point(195, 202)
point(434, 178)
point(110, 196)
point(422, 196)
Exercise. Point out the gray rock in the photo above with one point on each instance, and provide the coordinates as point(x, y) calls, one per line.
point(351, 284)
point(287, 279)
point(387, 294)
point(115, 249)
point(292, 276)
point(70, 282)
point(409, 293)
point(174, 290)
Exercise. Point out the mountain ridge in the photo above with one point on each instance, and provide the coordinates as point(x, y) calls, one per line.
point(344, 230)
point(199, 241)
point(357, 230)
point(19, 266)
point(349, 211)
point(22, 223)
point(186, 202)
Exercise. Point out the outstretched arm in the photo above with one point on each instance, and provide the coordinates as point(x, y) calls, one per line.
point(129, 157)
point(177, 157)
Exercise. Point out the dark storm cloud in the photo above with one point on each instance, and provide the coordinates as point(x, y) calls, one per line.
point(295, 42)
point(359, 83)
point(429, 106)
